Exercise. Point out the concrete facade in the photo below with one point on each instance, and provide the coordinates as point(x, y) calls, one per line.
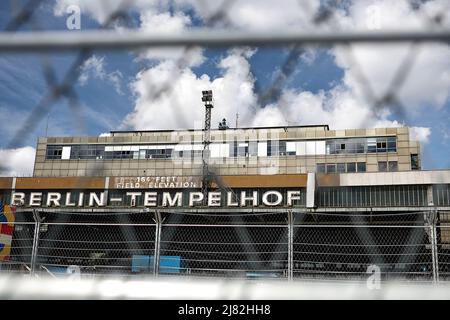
point(257, 162)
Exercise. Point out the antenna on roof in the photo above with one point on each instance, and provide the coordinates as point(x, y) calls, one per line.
point(207, 98)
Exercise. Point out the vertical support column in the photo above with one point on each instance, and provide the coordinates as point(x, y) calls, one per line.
point(156, 256)
point(13, 189)
point(431, 224)
point(34, 249)
point(106, 191)
point(290, 274)
point(434, 247)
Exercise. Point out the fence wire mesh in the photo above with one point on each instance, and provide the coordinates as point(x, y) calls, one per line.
point(305, 247)
point(251, 245)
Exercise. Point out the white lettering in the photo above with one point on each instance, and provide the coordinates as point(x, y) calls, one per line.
point(100, 202)
point(214, 199)
point(195, 197)
point(150, 199)
point(73, 22)
point(265, 198)
point(81, 199)
point(253, 198)
point(133, 196)
point(68, 203)
point(291, 196)
point(169, 201)
point(230, 202)
point(18, 199)
point(53, 198)
point(374, 280)
point(35, 199)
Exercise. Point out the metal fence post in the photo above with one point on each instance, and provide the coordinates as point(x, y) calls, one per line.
point(434, 247)
point(157, 242)
point(431, 223)
point(34, 250)
point(290, 245)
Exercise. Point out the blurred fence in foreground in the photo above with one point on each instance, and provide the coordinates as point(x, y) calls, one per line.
point(181, 289)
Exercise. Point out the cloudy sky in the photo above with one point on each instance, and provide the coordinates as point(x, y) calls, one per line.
point(161, 88)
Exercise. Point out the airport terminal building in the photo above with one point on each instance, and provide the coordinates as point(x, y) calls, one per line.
point(281, 202)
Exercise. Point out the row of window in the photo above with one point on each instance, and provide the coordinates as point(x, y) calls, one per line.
point(361, 145)
point(224, 150)
point(371, 196)
point(341, 167)
point(384, 166)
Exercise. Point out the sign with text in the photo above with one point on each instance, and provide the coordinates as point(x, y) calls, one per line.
point(157, 182)
point(147, 198)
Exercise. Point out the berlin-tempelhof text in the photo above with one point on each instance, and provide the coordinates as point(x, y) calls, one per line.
point(270, 198)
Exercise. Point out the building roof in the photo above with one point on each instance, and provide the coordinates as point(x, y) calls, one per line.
point(324, 126)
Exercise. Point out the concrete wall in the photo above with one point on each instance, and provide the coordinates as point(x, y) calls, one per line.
point(229, 166)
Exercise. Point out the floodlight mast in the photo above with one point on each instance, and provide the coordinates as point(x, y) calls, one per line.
point(207, 98)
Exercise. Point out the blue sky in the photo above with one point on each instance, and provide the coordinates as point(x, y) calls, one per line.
point(115, 89)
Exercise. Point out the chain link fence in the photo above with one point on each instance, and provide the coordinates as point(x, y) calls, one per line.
point(271, 245)
point(298, 246)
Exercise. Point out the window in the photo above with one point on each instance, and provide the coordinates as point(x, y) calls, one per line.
point(242, 151)
point(253, 148)
point(87, 152)
point(393, 165)
point(282, 148)
point(381, 144)
point(330, 147)
point(359, 145)
point(340, 167)
point(382, 166)
point(361, 166)
point(371, 145)
point(415, 161)
point(391, 144)
point(331, 168)
point(272, 148)
point(320, 168)
point(54, 152)
point(351, 167)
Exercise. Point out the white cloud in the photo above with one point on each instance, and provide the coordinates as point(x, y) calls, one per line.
point(181, 105)
point(260, 15)
point(169, 23)
point(343, 106)
point(94, 68)
point(17, 162)
point(428, 81)
point(420, 134)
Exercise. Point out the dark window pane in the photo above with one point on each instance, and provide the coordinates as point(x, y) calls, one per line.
point(371, 145)
point(351, 167)
point(361, 166)
point(391, 144)
point(341, 167)
point(54, 152)
point(282, 148)
point(382, 166)
point(415, 162)
point(360, 144)
point(393, 166)
point(331, 168)
point(320, 167)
